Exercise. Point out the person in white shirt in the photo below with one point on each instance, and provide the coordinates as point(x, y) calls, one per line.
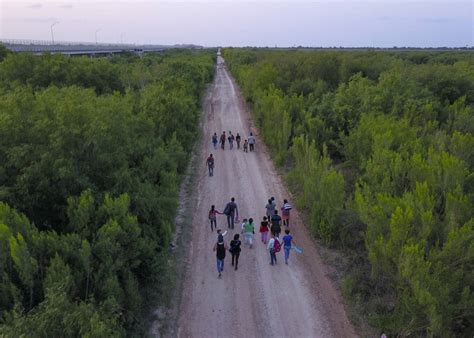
point(251, 139)
point(272, 246)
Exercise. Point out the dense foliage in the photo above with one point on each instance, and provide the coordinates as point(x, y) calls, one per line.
point(91, 156)
point(379, 150)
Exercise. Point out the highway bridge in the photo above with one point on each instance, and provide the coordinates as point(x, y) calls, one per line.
point(83, 48)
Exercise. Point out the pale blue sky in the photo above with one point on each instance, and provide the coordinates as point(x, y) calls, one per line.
point(382, 23)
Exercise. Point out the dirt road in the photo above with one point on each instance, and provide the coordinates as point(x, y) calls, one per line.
point(258, 300)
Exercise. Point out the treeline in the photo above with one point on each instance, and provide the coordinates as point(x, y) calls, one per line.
point(91, 156)
point(379, 150)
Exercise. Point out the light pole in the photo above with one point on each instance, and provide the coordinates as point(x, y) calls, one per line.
point(52, 34)
point(121, 37)
point(97, 30)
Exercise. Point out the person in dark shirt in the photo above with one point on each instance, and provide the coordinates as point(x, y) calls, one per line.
point(214, 140)
point(235, 250)
point(220, 247)
point(222, 140)
point(232, 212)
point(238, 139)
point(276, 224)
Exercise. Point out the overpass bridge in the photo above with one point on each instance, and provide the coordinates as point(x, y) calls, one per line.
point(39, 47)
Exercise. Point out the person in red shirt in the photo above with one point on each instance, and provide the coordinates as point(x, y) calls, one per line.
point(213, 217)
point(264, 229)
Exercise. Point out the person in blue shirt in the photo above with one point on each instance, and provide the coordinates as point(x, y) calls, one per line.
point(214, 140)
point(287, 242)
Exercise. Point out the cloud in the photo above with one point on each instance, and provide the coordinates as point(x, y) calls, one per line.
point(436, 20)
point(425, 20)
point(36, 5)
point(66, 6)
point(32, 19)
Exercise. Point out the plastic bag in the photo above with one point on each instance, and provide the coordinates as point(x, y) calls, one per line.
point(297, 249)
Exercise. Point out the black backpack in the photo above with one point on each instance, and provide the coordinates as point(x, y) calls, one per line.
point(227, 209)
point(234, 246)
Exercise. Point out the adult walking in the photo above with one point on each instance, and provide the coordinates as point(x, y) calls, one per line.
point(214, 140)
point(213, 217)
point(248, 230)
point(273, 247)
point(285, 212)
point(276, 224)
point(235, 250)
point(210, 165)
point(220, 247)
point(264, 230)
point(270, 209)
point(287, 243)
point(251, 139)
point(231, 139)
point(238, 139)
point(222, 140)
point(231, 211)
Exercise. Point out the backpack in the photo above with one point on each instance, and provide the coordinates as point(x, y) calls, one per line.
point(227, 209)
point(276, 245)
point(234, 246)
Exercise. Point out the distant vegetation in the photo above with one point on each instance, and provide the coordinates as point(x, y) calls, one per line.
point(91, 156)
point(379, 150)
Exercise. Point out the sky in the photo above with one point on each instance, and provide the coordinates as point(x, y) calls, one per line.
point(347, 23)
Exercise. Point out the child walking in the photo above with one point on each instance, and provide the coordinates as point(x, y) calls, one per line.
point(273, 247)
point(264, 229)
point(287, 244)
point(248, 230)
point(285, 212)
point(212, 217)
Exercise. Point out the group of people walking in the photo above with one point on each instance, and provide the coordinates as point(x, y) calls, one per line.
point(271, 224)
point(249, 142)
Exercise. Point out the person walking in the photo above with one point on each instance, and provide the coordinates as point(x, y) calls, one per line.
point(273, 202)
point(251, 139)
point(210, 165)
point(238, 139)
point(264, 230)
point(248, 230)
point(287, 243)
point(276, 224)
point(213, 217)
point(270, 209)
point(222, 140)
point(273, 247)
point(285, 212)
point(246, 146)
point(214, 141)
point(231, 139)
point(220, 247)
point(232, 212)
point(220, 235)
point(235, 250)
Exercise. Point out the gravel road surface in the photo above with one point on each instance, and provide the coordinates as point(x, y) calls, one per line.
point(257, 300)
